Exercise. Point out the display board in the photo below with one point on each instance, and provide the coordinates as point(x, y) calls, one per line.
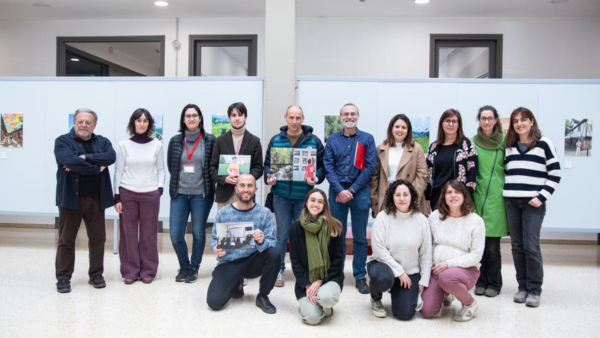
point(29, 172)
point(554, 102)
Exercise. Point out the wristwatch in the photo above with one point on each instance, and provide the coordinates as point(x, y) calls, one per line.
point(352, 191)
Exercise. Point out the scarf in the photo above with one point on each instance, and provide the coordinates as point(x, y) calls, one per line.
point(491, 143)
point(317, 234)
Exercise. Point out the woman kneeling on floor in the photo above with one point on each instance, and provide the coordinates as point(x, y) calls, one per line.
point(317, 255)
point(458, 242)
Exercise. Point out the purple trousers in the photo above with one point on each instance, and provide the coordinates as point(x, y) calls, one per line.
point(454, 281)
point(139, 231)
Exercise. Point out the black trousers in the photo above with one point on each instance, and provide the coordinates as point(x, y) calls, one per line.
point(68, 225)
point(491, 265)
point(382, 279)
point(228, 276)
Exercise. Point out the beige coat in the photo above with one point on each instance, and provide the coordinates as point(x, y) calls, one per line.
point(412, 168)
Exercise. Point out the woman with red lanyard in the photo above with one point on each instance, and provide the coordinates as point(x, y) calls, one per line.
point(191, 189)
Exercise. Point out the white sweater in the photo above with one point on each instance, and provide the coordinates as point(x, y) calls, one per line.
point(459, 241)
point(403, 242)
point(140, 167)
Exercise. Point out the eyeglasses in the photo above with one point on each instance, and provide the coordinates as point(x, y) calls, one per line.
point(81, 123)
point(192, 117)
point(487, 119)
point(321, 202)
point(450, 122)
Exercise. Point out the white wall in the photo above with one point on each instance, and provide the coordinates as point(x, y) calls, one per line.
point(399, 47)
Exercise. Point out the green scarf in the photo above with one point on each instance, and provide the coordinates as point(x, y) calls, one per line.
point(491, 143)
point(317, 242)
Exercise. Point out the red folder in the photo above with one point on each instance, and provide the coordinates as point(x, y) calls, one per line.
point(359, 156)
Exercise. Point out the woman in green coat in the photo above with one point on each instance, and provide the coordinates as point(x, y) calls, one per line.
point(489, 203)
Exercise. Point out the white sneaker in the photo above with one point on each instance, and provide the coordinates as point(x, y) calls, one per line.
point(520, 297)
point(532, 300)
point(280, 282)
point(448, 300)
point(377, 309)
point(467, 312)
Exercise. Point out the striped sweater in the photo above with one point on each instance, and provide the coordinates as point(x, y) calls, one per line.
point(534, 173)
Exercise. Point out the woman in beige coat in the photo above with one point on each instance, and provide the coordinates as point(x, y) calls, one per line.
point(399, 157)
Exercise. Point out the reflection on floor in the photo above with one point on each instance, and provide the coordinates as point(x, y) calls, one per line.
point(30, 305)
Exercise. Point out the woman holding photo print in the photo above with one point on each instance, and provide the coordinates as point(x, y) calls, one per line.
point(191, 188)
point(317, 256)
point(139, 180)
point(489, 202)
point(533, 173)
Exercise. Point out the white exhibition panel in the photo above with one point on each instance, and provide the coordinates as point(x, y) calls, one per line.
point(29, 173)
point(552, 101)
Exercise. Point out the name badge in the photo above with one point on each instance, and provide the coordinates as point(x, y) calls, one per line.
point(189, 168)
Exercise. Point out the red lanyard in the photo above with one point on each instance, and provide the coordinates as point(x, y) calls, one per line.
point(187, 150)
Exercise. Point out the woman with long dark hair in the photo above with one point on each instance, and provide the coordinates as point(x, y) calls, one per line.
point(451, 156)
point(489, 202)
point(139, 180)
point(458, 240)
point(401, 260)
point(317, 255)
point(191, 188)
point(399, 157)
point(533, 173)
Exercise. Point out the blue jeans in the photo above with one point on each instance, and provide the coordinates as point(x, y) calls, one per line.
point(181, 206)
point(287, 210)
point(525, 224)
point(359, 208)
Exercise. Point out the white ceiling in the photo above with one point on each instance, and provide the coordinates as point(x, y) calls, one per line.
point(123, 9)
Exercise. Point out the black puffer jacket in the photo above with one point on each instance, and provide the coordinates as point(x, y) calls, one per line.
point(174, 163)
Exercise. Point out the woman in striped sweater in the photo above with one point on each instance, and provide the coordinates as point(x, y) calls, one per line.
point(533, 173)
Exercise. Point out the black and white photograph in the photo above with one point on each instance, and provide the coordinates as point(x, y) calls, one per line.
point(233, 236)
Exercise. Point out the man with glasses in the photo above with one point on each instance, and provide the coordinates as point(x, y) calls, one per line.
point(349, 164)
point(83, 191)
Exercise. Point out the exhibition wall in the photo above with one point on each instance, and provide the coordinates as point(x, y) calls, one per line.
point(29, 173)
point(553, 102)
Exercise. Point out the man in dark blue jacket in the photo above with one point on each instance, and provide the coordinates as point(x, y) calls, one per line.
point(83, 191)
point(288, 196)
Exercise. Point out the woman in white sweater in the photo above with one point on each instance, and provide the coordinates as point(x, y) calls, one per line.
point(401, 260)
point(139, 180)
point(458, 242)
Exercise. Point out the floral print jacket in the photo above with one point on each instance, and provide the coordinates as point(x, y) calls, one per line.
point(465, 165)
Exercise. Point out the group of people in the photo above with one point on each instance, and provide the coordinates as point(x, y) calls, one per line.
point(439, 216)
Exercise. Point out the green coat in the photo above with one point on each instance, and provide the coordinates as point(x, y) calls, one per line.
point(489, 203)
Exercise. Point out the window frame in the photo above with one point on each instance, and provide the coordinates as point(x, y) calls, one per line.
point(239, 40)
point(492, 41)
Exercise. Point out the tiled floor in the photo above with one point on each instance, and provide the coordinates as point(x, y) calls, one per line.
point(31, 307)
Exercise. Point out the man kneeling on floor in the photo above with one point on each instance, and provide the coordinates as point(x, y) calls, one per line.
point(234, 265)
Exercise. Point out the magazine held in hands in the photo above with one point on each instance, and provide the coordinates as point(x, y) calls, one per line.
point(233, 236)
point(233, 165)
point(294, 164)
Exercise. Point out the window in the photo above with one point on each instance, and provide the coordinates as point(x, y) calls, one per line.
point(223, 55)
point(465, 56)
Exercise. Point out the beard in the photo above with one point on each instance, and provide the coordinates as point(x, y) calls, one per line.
point(246, 200)
point(349, 125)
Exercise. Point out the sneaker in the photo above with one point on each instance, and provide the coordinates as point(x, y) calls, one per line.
point(280, 282)
point(238, 292)
point(328, 312)
point(97, 282)
point(467, 312)
point(377, 309)
point(63, 286)
point(520, 297)
point(532, 300)
point(265, 304)
point(191, 275)
point(479, 291)
point(491, 293)
point(362, 286)
point(448, 300)
point(181, 275)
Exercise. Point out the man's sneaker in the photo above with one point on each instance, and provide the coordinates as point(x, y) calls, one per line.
point(448, 300)
point(362, 286)
point(491, 293)
point(532, 300)
point(191, 275)
point(63, 286)
point(377, 309)
point(467, 312)
point(181, 275)
point(97, 282)
point(328, 311)
point(265, 304)
point(280, 282)
point(520, 297)
point(479, 291)
point(238, 292)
